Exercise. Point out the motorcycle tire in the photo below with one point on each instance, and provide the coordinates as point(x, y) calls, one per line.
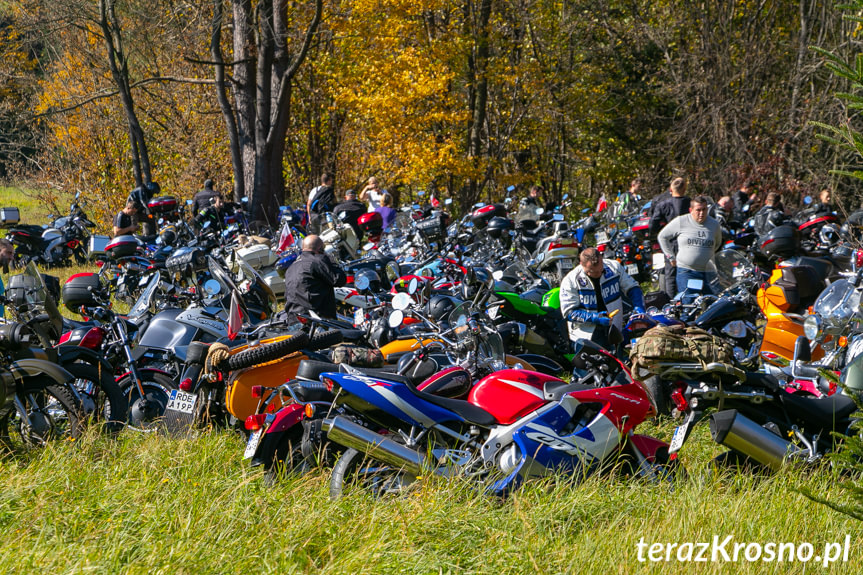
point(157, 392)
point(287, 457)
point(112, 405)
point(655, 389)
point(324, 339)
point(356, 469)
point(266, 353)
point(53, 410)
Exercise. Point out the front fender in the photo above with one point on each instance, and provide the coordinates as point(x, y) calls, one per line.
point(71, 354)
point(30, 367)
point(287, 417)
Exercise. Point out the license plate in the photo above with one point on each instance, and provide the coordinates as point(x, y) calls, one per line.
point(632, 269)
point(359, 317)
point(252, 444)
point(566, 264)
point(182, 401)
point(658, 261)
point(601, 238)
point(677, 439)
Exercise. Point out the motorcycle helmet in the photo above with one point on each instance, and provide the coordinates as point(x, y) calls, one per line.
point(153, 189)
point(440, 306)
point(498, 227)
point(781, 242)
point(373, 279)
point(167, 237)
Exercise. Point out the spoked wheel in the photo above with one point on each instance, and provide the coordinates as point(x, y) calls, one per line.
point(356, 470)
point(145, 412)
point(43, 411)
point(102, 399)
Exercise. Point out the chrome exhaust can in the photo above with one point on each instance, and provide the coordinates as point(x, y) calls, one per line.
point(736, 431)
point(347, 433)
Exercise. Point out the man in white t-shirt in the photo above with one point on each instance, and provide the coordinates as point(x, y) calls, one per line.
point(372, 194)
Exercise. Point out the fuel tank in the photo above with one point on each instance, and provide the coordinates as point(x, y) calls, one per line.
point(509, 394)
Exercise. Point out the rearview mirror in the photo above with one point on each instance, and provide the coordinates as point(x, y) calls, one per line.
point(447, 201)
point(401, 301)
point(420, 193)
point(189, 202)
point(212, 287)
point(558, 217)
point(497, 275)
point(565, 197)
point(397, 317)
point(807, 200)
point(413, 285)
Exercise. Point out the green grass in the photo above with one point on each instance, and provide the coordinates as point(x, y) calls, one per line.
point(152, 504)
point(32, 210)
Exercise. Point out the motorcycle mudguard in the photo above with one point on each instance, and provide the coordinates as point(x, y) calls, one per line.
point(287, 417)
point(30, 367)
point(647, 446)
point(71, 354)
point(541, 364)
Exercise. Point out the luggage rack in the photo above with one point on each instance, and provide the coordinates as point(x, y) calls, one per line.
point(669, 368)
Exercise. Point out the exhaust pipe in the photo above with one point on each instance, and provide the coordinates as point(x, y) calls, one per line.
point(350, 434)
point(738, 432)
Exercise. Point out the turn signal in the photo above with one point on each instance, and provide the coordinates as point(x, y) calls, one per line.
point(186, 385)
point(256, 422)
point(309, 410)
point(843, 341)
point(257, 391)
point(680, 400)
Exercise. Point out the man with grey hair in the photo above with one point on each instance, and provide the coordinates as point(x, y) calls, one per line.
point(310, 280)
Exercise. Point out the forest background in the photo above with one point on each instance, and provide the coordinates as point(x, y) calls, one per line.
point(460, 97)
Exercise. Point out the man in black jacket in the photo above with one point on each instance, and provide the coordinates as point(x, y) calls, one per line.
point(353, 209)
point(202, 199)
point(666, 210)
point(771, 215)
point(310, 280)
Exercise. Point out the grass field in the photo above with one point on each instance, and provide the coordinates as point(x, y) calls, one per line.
point(152, 504)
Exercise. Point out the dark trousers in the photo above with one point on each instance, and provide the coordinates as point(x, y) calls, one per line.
point(670, 280)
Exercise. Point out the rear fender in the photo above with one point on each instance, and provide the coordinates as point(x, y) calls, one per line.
point(648, 446)
point(144, 370)
point(287, 417)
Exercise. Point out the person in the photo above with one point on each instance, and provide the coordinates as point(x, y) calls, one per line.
point(528, 205)
point(321, 200)
point(353, 209)
point(214, 213)
point(202, 198)
point(310, 280)
point(772, 214)
point(674, 205)
point(593, 290)
point(125, 222)
point(387, 212)
point(690, 242)
point(723, 212)
point(824, 205)
point(372, 194)
point(627, 200)
point(7, 255)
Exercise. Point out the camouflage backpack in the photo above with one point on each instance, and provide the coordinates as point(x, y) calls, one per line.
point(357, 356)
point(679, 344)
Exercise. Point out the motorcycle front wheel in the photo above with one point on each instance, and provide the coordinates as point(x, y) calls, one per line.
point(107, 402)
point(43, 411)
point(146, 412)
point(355, 469)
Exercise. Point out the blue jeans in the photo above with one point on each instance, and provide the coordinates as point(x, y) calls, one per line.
point(689, 295)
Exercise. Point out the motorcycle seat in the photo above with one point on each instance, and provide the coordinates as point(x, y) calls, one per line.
point(464, 409)
point(311, 370)
point(762, 380)
point(311, 391)
point(30, 230)
point(829, 413)
point(822, 267)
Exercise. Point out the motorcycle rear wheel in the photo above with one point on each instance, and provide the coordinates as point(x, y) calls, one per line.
point(356, 470)
point(112, 406)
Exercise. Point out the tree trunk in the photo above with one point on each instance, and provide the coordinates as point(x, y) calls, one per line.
point(224, 103)
point(119, 66)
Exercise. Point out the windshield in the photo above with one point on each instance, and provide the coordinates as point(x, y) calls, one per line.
point(732, 266)
point(840, 301)
point(142, 305)
point(40, 298)
point(489, 343)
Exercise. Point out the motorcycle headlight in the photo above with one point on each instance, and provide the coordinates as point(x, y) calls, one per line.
point(812, 327)
point(735, 329)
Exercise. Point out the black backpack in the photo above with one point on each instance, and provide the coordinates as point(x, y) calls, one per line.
point(324, 200)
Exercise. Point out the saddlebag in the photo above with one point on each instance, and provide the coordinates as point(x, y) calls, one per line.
point(678, 344)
